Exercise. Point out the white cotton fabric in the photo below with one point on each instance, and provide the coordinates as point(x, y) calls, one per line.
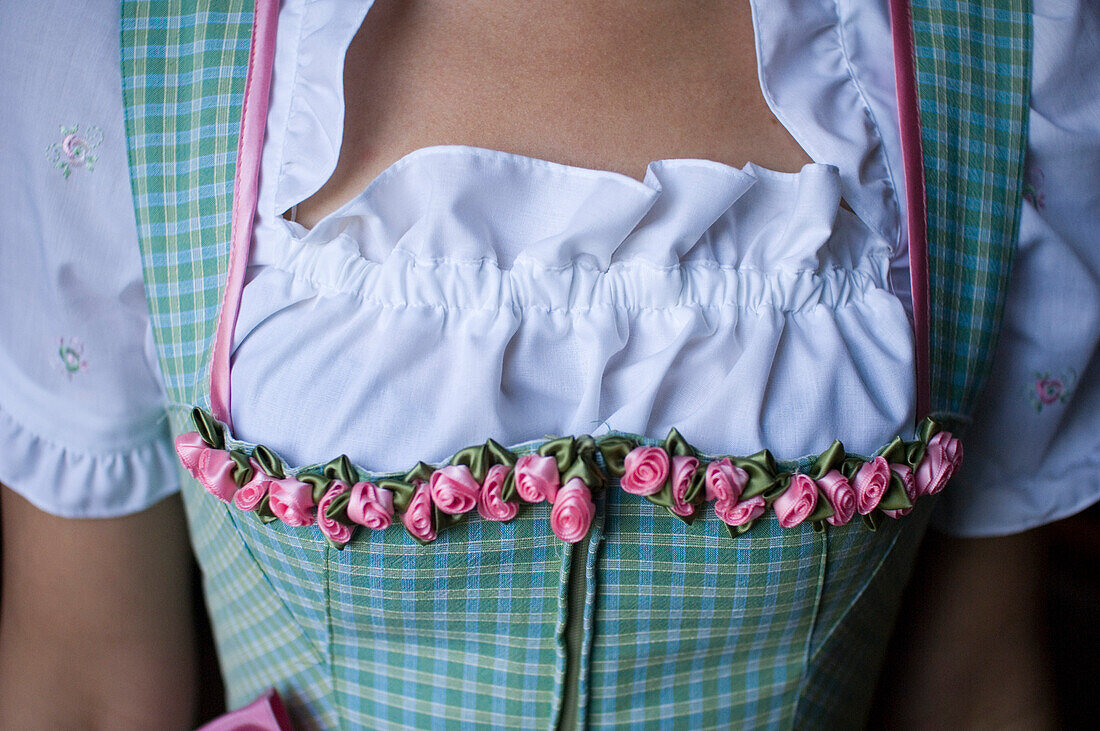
point(82, 423)
point(468, 294)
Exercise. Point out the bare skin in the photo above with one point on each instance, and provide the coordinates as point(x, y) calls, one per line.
point(95, 624)
point(607, 84)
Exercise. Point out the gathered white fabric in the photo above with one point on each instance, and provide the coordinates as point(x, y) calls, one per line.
point(469, 294)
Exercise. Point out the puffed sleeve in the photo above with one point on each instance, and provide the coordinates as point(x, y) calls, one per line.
point(1033, 453)
point(83, 431)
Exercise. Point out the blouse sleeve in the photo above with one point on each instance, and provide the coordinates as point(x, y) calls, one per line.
point(83, 431)
point(1033, 453)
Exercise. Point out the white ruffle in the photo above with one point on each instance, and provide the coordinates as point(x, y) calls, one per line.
point(72, 483)
point(469, 293)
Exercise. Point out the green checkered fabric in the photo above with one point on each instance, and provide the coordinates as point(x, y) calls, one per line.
point(973, 79)
point(676, 625)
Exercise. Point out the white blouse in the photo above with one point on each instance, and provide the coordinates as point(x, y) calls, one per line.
point(468, 293)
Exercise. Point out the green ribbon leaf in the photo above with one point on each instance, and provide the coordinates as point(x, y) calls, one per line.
point(895, 497)
point(928, 428)
point(508, 491)
point(739, 530)
point(762, 471)
point(829, 460)
point(476, 458)
point(562, 449)
point(677, 446)
point(337, 509)
point(318, 483)
point(342, 469)
point(614, 451)
point(697, 492)
point(818, 526)
point(334, 544)
point(422, 471)
point(243, 471)
point(268, 462)
point(208, 428)
point(402, 492)
point(872, 520)
point(850, 466)
point(823, 510)
point(894, 452)
point(499, 454)
point(263, 511)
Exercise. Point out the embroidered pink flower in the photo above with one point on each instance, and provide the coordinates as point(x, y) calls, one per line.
point(870, 484)
point(291, 501)
point(941, 458)
point(905, 472)
point(573, 511)
point(741, 512)
point(454, 489)
point(71, 356)
point(334, 530)
point(841, 496)
point(418, 515)
point(725, 482)
point(253, 491)
point(490, 500)
point(647, 469)
point(370, 506)
point(797, 501)
point(537, 478)
point(683, 469)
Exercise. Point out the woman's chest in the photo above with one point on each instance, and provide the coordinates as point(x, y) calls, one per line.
point(608, 85)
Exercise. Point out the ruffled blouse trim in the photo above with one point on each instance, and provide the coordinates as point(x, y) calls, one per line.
point(72, 483)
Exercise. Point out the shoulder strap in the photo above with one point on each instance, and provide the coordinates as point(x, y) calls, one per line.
point(184, 68)
point(973, 74)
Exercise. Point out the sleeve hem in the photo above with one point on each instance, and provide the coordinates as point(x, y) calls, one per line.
point(71, 483)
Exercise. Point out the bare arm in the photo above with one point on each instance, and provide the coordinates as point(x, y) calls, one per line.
point(95, 620)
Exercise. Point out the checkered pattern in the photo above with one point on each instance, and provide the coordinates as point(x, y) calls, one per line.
point(682, 626)
point(973, 80)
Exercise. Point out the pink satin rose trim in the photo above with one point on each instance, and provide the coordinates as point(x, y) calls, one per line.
point(490, 501)
point(797, 501)
point(253, 491)
point(189, 447)
point(647, 469)
point(725, 482)
point(870, 484)
point(334, 530)
point(683, 470)
point(454, 489)
point(942, 457)
point(841, 496)
point(291, 501)
point(905, 472)
point(573, 511)
point(370, 506)
point(417, 517)
point(742, 512)
point(537, 478)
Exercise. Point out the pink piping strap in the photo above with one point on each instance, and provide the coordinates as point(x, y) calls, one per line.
point(905, 77)
point(257, 86)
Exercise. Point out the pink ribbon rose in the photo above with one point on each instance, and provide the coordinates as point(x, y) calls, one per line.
point(725, 482)
point(418, 515)
point(573, 511)
point(291, 501)
point(683, 469)
point(334, 530)
point(370, 506)
point(841, 496)
point(190, 447)
point(490, 503)
point(870, 484)
point(797, 501)
point(742, 512)
point(253, 491)
point(454, 489)
point(646, 470)
point(905, 472)
point(537, 478)
point(941, 458)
